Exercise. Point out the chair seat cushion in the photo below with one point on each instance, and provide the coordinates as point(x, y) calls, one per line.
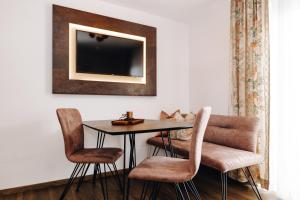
point(96, 155)
point(225, 159)
point(180, 147)
point(162, 169)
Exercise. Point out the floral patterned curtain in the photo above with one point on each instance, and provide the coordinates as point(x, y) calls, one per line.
point(250, 73)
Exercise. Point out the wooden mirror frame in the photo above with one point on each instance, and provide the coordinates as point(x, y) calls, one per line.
point(61, 84)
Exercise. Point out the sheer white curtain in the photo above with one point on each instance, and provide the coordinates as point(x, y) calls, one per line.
point(285, 98)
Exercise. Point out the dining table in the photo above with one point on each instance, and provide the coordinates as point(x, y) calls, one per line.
point(104, 127)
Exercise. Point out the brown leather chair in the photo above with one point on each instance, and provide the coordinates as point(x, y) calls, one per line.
point(229, 144)
point(159, 169)
point(72, 129)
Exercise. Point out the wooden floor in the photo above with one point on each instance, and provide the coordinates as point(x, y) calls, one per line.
point(207, 182)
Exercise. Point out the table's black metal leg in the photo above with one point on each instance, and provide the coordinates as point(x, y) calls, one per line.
point(101, 182)
point(132, 160)
point(105, 182)
point(134, 151)
point(124, 168)
point(96, 164)
point(131, 153)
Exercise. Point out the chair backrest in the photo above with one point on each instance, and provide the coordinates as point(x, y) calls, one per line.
point(233, 131)
point(200, 124)
point(72, 129)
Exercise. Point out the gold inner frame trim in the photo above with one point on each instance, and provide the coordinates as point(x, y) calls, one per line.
point(73, 75)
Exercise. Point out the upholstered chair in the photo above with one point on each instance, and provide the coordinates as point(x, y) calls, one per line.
point(73, 134)
point(159, 169)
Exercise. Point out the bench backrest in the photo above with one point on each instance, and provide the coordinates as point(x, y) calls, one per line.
point(232, 131)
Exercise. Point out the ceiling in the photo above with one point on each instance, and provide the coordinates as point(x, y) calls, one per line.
point(180, 10)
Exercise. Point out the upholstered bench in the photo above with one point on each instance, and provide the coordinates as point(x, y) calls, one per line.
point(229, 144)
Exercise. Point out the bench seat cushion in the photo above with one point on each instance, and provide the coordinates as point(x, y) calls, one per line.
point(219, 157)
point(225, 159)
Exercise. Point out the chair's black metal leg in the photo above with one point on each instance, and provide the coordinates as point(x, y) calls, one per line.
point(74, 174)
point(117, 176)
point(128, 189)
point(179, 191)
point(158, 189)
point(101, 183)
point(95, 173)
point(191, 189)
point(155, 191)
point(194, 190)
point(105, 181)
point(143, 190)
point(82, 177)
point(151, 192)
point(177, 195)
point(69, 181)
point(252, 183)
point(224, 185)
point(186, 191)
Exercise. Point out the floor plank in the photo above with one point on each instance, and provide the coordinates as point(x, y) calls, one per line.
point(207, 181)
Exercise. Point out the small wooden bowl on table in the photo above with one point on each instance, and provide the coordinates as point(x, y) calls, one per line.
point(127, 119)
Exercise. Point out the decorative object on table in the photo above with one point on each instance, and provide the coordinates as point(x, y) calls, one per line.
point(127, 122)
point(177, 116)
point(129, 115)
point(77, 37)
point(127, 119)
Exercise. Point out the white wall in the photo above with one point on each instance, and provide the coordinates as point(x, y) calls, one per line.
point(209, 57)
point(31, 144)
